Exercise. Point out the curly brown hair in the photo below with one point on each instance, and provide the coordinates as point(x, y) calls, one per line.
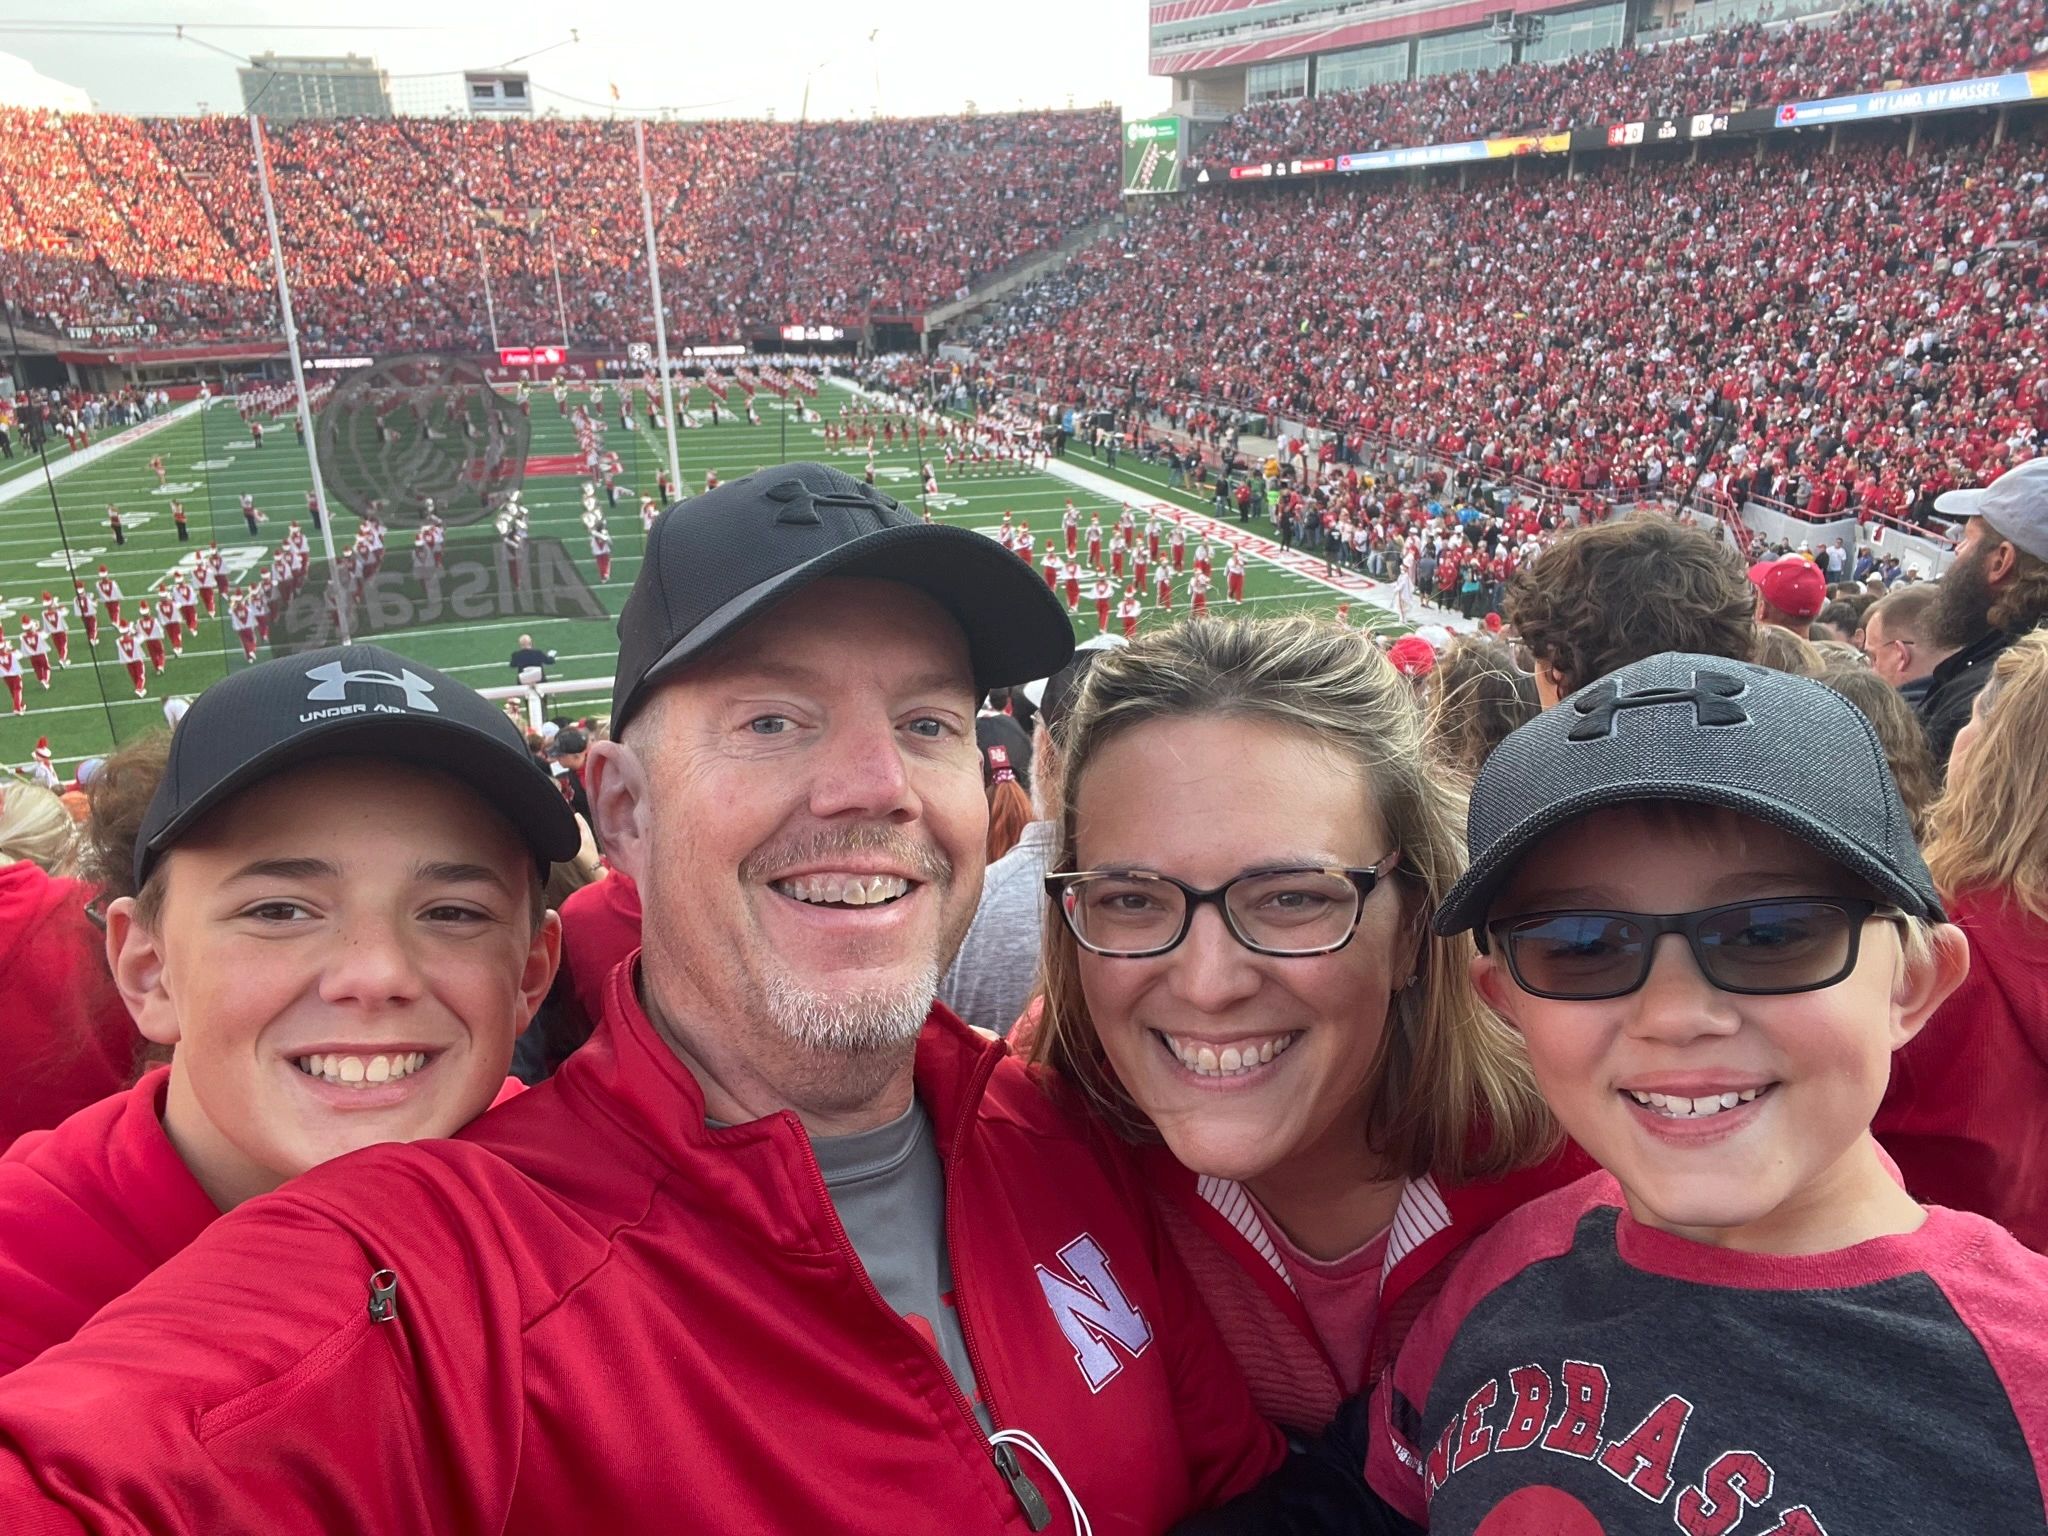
point(2022, 602)
point(1616, 592)
point(119, 796)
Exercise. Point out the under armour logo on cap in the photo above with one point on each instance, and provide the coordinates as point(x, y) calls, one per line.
point(1712, 697)
point(331, 681)
point(800, 502)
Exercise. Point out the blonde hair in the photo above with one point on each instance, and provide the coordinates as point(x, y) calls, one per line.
point(1899, 732)
point(1451, 1090)
point(1991, 827)
point(1477, 695)
point(1782, 651)
point(35, 827)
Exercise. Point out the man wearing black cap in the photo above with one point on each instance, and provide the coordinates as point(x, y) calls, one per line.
point(571, 750)
point(783, 1247)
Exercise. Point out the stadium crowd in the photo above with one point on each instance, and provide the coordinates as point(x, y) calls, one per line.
point(1864, 47)
point(388, 226)
point(1867, 342)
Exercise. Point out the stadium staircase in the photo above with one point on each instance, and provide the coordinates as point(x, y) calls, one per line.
point(1018, 273)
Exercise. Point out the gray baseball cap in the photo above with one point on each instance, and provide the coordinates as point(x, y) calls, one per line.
point(1788, 751)
point(2015, 505)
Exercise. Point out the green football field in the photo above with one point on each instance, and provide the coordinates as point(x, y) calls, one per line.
point(91, 705)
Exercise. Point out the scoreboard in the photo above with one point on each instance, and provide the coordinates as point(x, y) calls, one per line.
point(1152, 156)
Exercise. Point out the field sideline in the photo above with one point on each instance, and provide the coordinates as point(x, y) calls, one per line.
point(209, 454)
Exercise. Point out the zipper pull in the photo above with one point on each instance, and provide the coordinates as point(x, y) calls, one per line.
point(1037, 1514)
point(383, 1296)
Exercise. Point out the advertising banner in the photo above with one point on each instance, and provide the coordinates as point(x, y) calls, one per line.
point(1953, 95)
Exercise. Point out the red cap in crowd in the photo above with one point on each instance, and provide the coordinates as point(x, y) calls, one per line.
point(1412, 656)
point(1792, 584)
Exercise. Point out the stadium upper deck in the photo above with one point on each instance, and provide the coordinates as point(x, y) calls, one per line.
point(118, 229)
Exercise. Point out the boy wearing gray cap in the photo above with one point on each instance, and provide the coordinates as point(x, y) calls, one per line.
point(1697, 898)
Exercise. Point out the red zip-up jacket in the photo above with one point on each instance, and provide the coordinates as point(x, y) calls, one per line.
point(89, 1210)
point(609, 1317)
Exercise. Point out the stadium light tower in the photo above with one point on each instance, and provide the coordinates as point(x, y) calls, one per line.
point(561, 309)
point(291, 341)
point(668, 395)
point(490, 309)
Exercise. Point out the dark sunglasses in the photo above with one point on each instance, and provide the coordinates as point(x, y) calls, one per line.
point(1757, 948)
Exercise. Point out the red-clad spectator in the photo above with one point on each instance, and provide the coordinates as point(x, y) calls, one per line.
point(1962, 1116)
point(69, 1040)
point(1761, 63)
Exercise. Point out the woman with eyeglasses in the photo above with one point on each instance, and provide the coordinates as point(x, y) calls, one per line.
point(1242, 982)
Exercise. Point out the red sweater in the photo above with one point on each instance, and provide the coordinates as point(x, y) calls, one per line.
point(612, 1317)
point(600, 927)
point(65, 1034)
point(86, 1211)
point(1963, 1116)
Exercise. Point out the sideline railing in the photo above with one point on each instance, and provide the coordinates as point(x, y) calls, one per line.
point(535, 695)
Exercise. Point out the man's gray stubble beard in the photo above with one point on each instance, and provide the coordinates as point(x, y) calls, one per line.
point(859, 1024)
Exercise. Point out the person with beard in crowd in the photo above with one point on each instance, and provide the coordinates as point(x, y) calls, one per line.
point(1994, 591)
point(992, 979)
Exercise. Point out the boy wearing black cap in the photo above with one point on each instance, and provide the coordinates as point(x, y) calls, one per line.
point(1697, 899)
point(330, 907)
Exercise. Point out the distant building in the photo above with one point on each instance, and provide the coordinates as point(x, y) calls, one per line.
point(498, 93)
point(285, 87)
point(1226, 55)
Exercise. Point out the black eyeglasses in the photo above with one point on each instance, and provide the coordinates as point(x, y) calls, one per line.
point(1134, 915)
point(1757, 948)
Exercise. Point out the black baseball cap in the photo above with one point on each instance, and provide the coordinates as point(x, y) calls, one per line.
point(343, 701)
point(1788, 751)
point(1057, 695)
point(718, 561)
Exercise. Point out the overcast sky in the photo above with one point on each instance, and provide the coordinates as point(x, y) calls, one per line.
point(737, 59)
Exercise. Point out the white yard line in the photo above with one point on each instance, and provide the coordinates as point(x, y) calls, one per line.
point(32, 484)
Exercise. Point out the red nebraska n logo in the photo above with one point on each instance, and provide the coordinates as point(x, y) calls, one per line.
point(1093, 1312)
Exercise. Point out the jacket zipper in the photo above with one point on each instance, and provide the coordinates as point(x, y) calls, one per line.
point(1037, 1514)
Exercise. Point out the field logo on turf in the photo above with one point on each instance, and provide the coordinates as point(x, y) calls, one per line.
point(423, 427)
point(476, 585)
